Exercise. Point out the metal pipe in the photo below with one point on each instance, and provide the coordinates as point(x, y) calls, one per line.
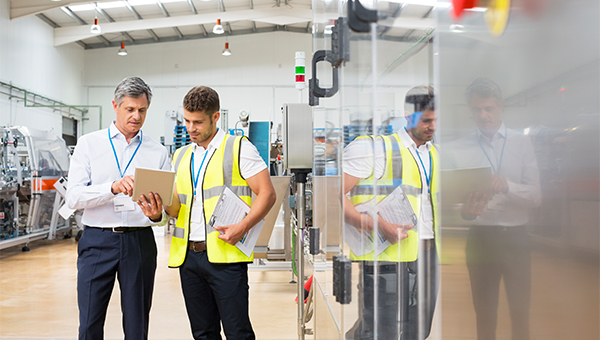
point(12, 87)
point(301, 207)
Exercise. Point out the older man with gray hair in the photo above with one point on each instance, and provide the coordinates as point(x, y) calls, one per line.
point(117, 240)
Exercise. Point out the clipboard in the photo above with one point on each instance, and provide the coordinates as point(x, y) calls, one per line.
point(151, 180)
point(231, 209)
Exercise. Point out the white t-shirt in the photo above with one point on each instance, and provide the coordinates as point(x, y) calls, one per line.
point(250, 164)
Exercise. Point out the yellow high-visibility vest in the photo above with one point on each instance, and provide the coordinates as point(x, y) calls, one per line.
point(401, 169)
point(223, 169)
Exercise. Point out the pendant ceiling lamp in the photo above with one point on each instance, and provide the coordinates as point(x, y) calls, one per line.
point(95, 29)
point(226, 51)
point(218, 29)
point(122, 51)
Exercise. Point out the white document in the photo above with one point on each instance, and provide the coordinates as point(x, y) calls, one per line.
point(360, 242)
point(395, 208)
point(231, 209)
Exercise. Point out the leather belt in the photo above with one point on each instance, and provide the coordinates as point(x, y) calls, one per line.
point(382, 268)
point(120, 230)
point(197, 246)
point(428, 243)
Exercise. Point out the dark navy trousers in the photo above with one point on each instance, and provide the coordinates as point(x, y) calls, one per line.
point(130, 257)
point(216, 293)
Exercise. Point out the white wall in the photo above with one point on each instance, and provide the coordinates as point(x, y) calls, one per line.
point(257, 77)
point(29, 60)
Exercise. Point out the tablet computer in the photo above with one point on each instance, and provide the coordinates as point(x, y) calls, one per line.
point(156, 181)
point(457, 183)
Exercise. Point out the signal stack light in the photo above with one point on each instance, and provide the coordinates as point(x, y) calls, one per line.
point(300, 70)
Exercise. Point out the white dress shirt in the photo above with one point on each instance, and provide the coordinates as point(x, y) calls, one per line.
point(359, 159)
point(516, 164)
point(250, 164)
point(93, 169)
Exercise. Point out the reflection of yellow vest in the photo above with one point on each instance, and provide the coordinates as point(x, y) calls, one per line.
point(401, 169)
point(222, 170)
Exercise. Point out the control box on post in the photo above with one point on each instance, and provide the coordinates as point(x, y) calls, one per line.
point(297, 136)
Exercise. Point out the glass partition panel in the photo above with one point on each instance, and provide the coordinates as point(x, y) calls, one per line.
point(363, 172)
point(326, 179)
point(519, 84)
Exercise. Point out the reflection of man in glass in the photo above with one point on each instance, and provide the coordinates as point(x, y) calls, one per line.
point(392, 303)
point(498, 243)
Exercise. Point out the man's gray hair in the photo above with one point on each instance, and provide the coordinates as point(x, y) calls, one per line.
point(133, 87)
point(485, 88)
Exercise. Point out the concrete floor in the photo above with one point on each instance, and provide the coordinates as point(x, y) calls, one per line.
point(38, 297)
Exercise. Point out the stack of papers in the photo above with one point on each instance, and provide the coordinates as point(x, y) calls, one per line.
point(395, 209)
point(231, 209)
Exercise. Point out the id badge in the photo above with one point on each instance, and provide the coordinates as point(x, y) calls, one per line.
point(123, 203)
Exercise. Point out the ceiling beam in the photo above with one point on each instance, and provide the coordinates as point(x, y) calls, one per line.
point(154, 36)
point(198, 36)
point(132, 10)
point(137, 16)
point(73, 16)
point(110, 19)
point(396, 10)
point(178, 32)
point(65, 35)
point(104, 14)
point(192, 7)
point(104, 40)
point(166, 14)
point(162, 8)
point(23, 8)
point(47, 20)
point(221, 6)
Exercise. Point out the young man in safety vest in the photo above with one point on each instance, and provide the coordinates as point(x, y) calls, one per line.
point(213, 271)
point(406, 159)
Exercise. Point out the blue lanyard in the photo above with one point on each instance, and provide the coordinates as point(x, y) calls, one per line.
point(501, 153)
point(117, 158)
point(199, 169)
point(427, 176)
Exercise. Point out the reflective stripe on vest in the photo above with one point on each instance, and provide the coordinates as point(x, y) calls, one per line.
point(222, 169)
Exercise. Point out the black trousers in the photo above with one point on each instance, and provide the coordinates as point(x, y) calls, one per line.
point(215, 294)
point(399, 313)
point(131, 258)
point(495, 253)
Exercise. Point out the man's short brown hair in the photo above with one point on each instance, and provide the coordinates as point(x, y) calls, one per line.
point(201, 99)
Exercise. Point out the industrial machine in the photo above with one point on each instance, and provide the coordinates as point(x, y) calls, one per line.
point(32, 162)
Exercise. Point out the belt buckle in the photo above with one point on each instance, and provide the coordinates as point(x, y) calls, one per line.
point(114, 230)
point(194, 243)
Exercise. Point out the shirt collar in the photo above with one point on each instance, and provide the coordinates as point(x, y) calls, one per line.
point(114, 132)
point(215, 142)
point(409, 142)
point(501, 133)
